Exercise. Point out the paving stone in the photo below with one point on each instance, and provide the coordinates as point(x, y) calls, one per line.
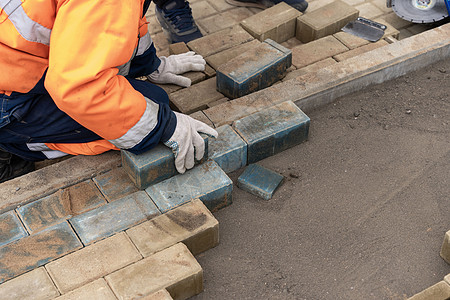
point(349, 40)
point(259, 181)
point(152, 166)
point(228, 150)
point(191, 223)
point(201, 9)
point(276, 23)
point(92, 262)
point(147, 206)
point(35, 185)
point(207, 181)
point(34, 285)
point(195, 77)
point(317, 4)
point(200, 116)
point(327, 20)
point(115, 184)
point(170, 88)
point(447, 278)
point(397, 22)
point(107, 220)
point(217, 102)
point(291, 43)
point(225, 19)
point(221, 5)
point(368, 10)
point(390, 30)
point(159, 295)
point(310, 68)
point(272, 130)
point(439, 291)
point(445, 249)
point(36, 250)
point(153, 25)
point(418, 28)
point(61, 205)
point(218, 59)
point(196, 97)
point(98, 290)
point(178, 48)
point(174, 269)
point(11, 228)
point(160, 41)
point(219, 41)
point(253, 70)
point(315, 51)
point(209, 71)
point(404, 33)
point(360, 50)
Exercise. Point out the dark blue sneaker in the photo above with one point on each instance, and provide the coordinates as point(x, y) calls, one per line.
point(177, 23)
point(300, 5)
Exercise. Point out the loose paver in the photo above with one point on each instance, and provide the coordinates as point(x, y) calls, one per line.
point(325, 21)
point(276, 23)
point(192, 223)
point(34, 285)
point(439, 291)
point(11, 228)
point(36, 250)
point(253, 70)
point(61, 205)
point(173, 268)
point(219, 41)
point(200, 116)
point(107, 220)
point(152, 166)
point(317, 50)
point(229, 150)
point(273, 130)
point(216, 60)
point(159, 295)
point(98, 290)
point(445, 249)
point(259, 181)
point(115, 184)
point(92, 262)
point(207, 181)
point(196, 97)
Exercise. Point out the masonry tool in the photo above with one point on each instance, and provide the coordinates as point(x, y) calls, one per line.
point(420, 11)
point(366, 29)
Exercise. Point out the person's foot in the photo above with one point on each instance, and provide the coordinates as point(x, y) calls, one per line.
point(177, 22)
point(12, 166)
point(300, 5)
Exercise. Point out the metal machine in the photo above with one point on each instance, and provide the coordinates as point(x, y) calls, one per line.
point(420, 11)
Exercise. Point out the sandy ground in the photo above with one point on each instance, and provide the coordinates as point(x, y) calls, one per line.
point(364, 207)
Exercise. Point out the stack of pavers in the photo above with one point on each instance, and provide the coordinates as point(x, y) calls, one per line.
point(133, 231)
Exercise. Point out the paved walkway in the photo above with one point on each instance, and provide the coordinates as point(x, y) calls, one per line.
point(81, 229)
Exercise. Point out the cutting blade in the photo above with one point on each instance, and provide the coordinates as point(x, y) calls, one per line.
point(420, 11)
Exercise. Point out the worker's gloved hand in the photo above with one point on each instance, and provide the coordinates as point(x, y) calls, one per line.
point(173, 65)
point(186, 141)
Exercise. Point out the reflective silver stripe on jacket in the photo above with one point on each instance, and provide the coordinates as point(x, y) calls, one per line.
point(141, 129)
point(144, 44)
point(49, 153)
point(27, 28)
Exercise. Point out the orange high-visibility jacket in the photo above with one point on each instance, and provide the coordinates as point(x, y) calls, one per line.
point(85, 46)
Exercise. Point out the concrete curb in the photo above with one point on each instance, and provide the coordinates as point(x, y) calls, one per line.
point(315, 89)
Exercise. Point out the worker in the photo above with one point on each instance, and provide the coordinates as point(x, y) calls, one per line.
point(67, 84)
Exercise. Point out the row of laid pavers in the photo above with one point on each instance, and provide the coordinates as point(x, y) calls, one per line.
point(144, 259)
point(92, 210)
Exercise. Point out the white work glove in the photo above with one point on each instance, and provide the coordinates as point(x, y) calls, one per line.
point(186, 141)
point(173, 65)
